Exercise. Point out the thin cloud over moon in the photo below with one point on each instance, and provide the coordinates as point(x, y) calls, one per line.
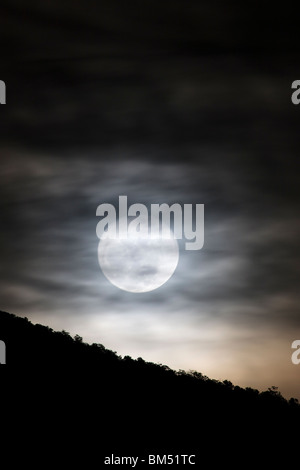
point(138, 264)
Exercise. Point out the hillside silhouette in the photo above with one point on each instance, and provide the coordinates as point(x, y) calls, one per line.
point(106, 403)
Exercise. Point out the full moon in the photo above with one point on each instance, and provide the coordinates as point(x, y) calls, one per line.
point(136, 264)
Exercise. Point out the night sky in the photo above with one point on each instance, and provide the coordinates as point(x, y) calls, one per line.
point(165, 102)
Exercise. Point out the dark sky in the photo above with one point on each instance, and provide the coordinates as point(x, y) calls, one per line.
point(163, 102)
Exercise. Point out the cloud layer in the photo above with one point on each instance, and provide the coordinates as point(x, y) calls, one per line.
point(195, 110)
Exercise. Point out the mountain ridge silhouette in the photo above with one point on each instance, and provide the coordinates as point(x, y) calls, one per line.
point(140, 406)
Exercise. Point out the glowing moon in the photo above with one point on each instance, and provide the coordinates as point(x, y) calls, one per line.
point(137, 264)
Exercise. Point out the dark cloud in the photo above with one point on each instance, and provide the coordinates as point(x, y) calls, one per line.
point(162, 103)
